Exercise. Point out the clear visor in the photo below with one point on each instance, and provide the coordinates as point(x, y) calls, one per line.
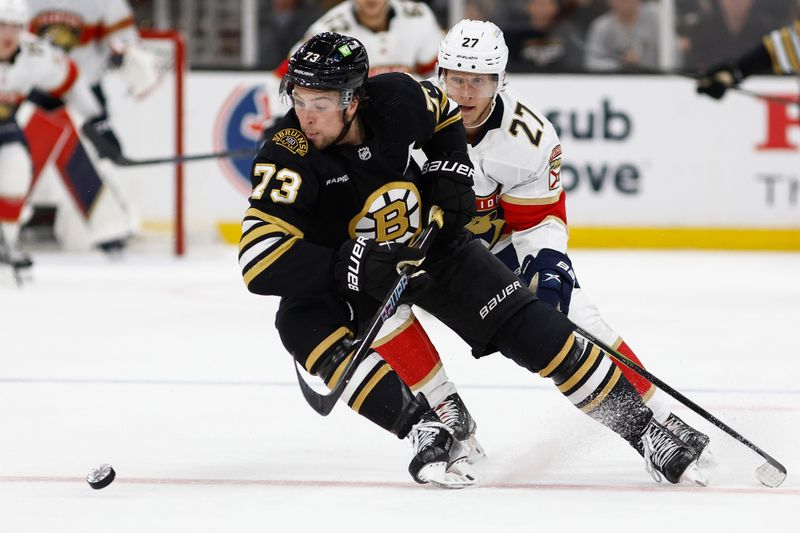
point(461, 85)
point(319, 100)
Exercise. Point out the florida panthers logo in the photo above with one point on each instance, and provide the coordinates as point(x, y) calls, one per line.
point(392, 213)
point(62, 28)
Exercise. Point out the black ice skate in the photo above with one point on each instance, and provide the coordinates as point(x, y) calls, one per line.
point(432, 442)
point(665, 455)
point(19, 262)
point(454, 414)
point(696, 440)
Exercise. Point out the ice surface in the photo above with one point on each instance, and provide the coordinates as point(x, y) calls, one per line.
point(171, 372)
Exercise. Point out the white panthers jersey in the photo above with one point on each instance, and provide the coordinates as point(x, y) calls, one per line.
point(87, 29)
point(38, 65)
point(410, 44)
point(784, 48)
point(518, 180)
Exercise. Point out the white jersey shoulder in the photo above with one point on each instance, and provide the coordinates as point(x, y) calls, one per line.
point(410, 44)
point(520, 156)
point(85, 29)
point(37, 66)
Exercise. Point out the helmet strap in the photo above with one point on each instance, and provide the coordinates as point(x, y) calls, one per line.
point(345, 128)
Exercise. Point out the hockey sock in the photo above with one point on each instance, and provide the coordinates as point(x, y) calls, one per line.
point(651, 395)
point(375, 391)
point(405, 345)
point(595, 385)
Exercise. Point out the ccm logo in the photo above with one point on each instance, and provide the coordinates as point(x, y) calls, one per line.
point(499, 297)
point(354, 265)
point(448, 166)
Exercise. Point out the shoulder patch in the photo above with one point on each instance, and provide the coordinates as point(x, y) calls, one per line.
point(293, 140)
point(555, 167)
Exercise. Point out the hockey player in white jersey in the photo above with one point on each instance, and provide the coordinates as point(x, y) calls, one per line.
point(26, 63)
point(399, 35)
point(96, 34)
point(520, 199)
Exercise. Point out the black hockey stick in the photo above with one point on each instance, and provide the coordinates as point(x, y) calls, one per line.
point(123, 161)
point(771, 473)
point(323, 403)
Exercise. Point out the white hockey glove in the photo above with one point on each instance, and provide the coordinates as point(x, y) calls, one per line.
point(139, 71)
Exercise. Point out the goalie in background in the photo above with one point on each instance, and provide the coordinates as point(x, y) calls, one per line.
point(97, 34)
point(27, 63)
point(778, 51)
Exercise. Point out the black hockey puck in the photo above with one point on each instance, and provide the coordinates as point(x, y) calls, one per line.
point(100, 477)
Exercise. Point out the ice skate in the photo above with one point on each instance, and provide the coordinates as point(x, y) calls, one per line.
point(19, 262)
point(454, 414)
point(432, 442)
point(693, 438)
point(666, 456)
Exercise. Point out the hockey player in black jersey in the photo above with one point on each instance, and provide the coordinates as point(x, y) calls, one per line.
point(336, 201)
point(777, 53)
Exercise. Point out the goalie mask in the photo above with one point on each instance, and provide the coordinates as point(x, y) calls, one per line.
point(14, 12)
point(328, 61)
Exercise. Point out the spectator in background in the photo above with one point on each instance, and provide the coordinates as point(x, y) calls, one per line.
point(500, 13)
point(581, 13)
point(545, 42)
point(728, 29)
point(624, 38)
point(282, 23)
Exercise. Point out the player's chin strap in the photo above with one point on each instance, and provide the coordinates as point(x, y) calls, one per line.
point(345, 128)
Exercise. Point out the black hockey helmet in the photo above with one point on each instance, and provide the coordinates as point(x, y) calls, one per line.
point(328, 61)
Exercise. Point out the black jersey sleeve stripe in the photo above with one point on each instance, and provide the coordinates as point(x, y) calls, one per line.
point(445, 123)
point(275, 252)
point(265, 217)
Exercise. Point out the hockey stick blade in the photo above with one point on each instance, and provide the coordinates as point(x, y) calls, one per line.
point(771, 474)
point(324, 403)
point(239, 152)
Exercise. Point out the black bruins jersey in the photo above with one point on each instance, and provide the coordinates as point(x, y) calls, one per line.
point(306, 202)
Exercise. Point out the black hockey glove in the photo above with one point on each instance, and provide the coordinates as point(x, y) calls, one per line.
point(715, 81)
point(448, 183)
point(550, 276)
point(98, 131)
point(368, 266)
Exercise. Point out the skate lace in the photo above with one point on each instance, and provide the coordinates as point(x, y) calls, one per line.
point(423, 434)
point(449, 413)
point(681, 430)
point(659, 449)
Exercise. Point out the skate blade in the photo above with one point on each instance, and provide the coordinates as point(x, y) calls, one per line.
point(463, 469)
point(438, 475)
point(476, 453)
point(695, 475)
point(706, 459)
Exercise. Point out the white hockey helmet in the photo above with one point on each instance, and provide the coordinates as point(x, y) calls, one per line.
point(474, 46)
point(14, 12)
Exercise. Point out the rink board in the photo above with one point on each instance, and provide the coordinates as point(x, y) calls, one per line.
point(641, 153)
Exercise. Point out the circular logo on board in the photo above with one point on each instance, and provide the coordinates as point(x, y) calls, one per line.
point(240, 125)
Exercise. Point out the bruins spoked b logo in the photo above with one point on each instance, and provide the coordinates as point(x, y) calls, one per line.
point(391, 213)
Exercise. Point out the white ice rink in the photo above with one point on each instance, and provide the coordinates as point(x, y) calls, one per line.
point(170, 371)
